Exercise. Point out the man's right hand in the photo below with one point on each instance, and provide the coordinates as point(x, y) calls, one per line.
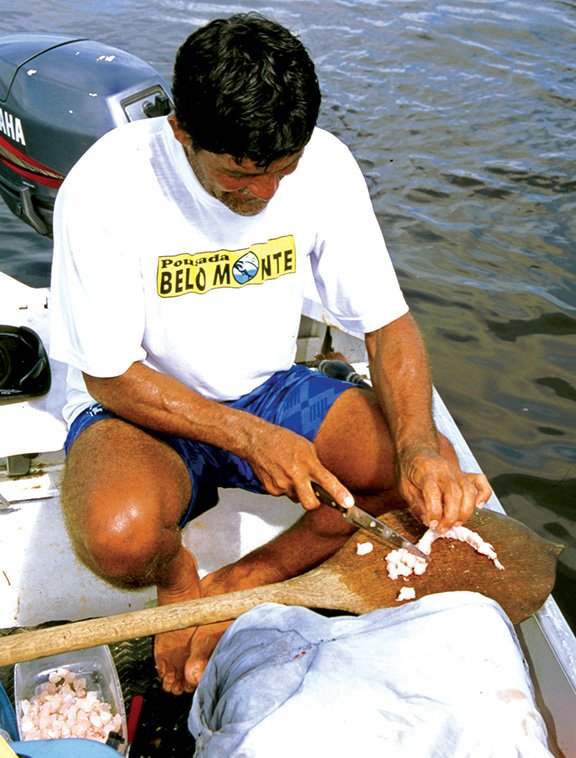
point(287, 464)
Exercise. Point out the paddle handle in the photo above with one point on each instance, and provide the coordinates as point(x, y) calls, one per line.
point(29, 645)
point(319, 588)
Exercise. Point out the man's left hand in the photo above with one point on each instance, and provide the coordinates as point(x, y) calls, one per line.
point(438, 492)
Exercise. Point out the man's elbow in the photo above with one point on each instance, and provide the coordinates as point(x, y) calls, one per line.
point(104, 388)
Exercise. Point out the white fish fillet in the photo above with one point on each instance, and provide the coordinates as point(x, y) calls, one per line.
point(401, 562)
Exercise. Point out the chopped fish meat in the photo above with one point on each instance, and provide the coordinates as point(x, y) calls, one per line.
point(402, 562)
point(363, 548)
point(62, 707)
point(406, 593)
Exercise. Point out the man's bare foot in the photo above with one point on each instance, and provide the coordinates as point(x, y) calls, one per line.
point(182, 655)
point(171, 654)
point(202, 645)
point(171, 649)
point(206, 637)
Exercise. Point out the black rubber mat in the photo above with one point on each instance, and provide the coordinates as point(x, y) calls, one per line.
point(162, 730)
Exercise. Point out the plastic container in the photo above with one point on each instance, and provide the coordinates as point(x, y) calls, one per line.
point(8, 724)
point(70, 748)
point(94, 664)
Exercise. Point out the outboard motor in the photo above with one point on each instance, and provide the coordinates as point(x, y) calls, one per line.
point(58, 95)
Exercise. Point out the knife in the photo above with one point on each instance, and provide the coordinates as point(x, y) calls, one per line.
point(364, 520)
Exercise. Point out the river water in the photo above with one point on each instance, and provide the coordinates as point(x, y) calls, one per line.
point(462, 115)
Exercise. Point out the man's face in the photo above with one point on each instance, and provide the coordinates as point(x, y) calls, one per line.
point(243, 187)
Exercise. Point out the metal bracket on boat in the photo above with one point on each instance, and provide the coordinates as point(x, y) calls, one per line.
point(21, 482)
point(29, 211)
point(19, 465)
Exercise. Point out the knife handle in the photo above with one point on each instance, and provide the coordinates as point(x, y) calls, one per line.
point(326, 498)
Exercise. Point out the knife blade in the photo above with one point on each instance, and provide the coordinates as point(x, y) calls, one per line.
point(364, 520)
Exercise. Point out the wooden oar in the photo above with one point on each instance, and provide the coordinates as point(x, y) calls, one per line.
point(346, 582)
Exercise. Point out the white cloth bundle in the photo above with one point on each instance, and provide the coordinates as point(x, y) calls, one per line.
point(443, 677)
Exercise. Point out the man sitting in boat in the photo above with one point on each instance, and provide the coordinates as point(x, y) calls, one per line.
point(182, 248)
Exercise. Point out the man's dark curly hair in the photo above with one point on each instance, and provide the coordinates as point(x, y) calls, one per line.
point(247, 87)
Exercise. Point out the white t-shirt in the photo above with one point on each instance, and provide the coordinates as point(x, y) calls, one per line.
point(149, 267)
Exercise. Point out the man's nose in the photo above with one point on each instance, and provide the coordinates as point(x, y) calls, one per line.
point(264, 186)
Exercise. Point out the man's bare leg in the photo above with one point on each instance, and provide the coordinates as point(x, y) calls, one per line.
point(171, 649)
point(123, 494)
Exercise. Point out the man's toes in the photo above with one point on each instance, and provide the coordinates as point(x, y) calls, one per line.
point(172, 682)
point(176, 688)
point(171, 653)
point(193, 673)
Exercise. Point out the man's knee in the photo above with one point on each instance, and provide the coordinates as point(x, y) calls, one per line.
point(121, 539)
point(123, 494)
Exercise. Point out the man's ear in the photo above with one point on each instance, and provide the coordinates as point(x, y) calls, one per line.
point(181, 135)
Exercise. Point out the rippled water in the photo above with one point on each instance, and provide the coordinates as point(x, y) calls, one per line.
point(462, 115)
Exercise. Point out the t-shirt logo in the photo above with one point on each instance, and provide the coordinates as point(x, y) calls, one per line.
point(197, 273)
point(246, 268)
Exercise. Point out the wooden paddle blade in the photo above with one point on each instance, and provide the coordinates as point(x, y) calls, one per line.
point(521, 588)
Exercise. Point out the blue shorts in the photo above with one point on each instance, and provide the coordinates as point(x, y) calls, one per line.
point(297, 399)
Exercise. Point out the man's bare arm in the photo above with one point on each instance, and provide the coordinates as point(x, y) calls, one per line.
point(283, 461)
point(438, 492)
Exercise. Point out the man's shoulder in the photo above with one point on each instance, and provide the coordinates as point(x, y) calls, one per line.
point(134, 133)
point(323, 140)
point(327, 156)
point(120, 146)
